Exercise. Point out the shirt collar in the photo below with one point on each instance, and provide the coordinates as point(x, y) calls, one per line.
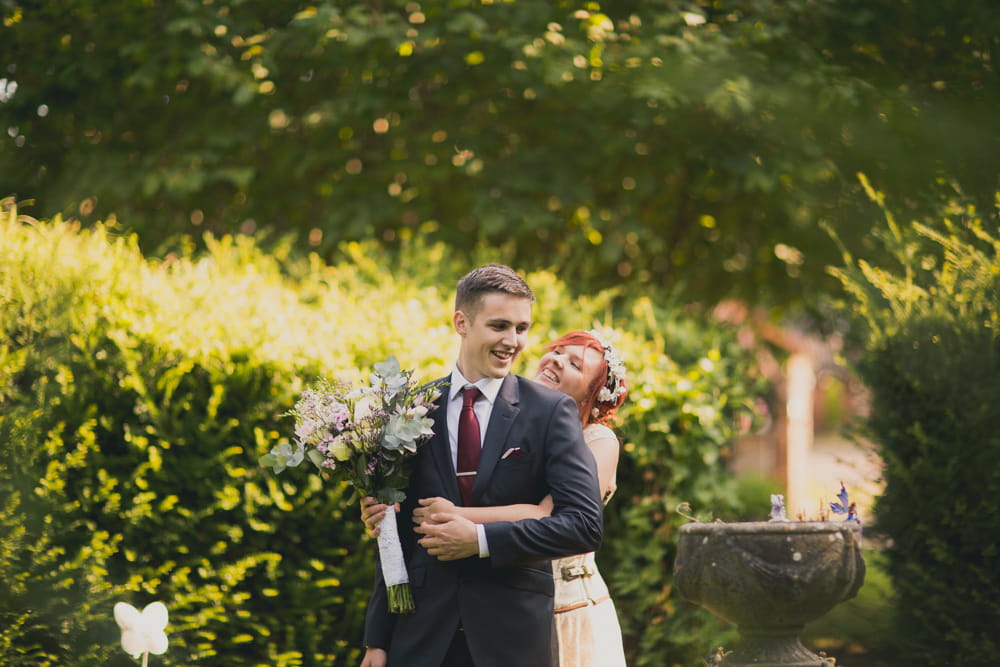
point(490, 387)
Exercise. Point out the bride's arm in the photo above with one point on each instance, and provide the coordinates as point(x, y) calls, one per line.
point(372, 512)
point(431, 506)
point(605, 450)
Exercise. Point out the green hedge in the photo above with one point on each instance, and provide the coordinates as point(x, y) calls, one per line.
point(929, 327)
point(137, 394)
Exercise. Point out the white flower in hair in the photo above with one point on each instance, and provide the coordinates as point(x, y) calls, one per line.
point(615, 385)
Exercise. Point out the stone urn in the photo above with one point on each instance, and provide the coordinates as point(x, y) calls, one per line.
point(769, 578)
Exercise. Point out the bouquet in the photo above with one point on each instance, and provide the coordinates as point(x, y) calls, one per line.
point(364, 436)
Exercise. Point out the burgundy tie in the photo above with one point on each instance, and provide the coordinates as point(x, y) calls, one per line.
point(469, 444)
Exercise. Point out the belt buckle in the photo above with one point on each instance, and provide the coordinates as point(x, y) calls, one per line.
point(575, 572)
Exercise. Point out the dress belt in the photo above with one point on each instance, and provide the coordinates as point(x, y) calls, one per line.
point(576, 572)
point(580, 605)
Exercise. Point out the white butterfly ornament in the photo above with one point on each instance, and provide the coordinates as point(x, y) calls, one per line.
point(142, 633)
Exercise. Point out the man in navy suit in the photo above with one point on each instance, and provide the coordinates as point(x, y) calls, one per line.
point(483, 592)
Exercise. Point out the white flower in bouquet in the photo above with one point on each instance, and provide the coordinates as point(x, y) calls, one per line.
point(285, 457)
point(364, 406)
point(363, 435)
point(404, 430)
point(389, 378)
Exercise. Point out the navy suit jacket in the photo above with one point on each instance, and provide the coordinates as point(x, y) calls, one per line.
point(503, 602)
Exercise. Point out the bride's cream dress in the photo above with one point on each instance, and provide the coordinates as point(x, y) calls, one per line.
point(586, 621)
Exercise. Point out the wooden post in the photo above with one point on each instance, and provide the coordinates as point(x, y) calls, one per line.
point(801, 378)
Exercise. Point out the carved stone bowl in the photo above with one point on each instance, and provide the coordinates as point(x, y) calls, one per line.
point(770, 578)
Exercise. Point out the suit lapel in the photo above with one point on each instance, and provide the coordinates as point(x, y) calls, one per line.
point(505, 409)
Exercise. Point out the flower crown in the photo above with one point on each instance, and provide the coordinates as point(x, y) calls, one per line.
point(615, 384)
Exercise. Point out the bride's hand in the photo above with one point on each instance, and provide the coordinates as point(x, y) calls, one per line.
point(429, 506)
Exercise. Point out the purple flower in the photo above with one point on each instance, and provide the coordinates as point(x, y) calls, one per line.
point(778, 507)
point(844, 507)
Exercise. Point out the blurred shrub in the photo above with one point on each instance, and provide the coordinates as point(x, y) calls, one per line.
point(136, 396)
point(928, 329)
point(682, 413)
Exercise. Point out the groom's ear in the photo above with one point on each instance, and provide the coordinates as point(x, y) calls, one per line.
point(461, 322)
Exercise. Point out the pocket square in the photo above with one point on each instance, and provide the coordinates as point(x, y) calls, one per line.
point(513, 451)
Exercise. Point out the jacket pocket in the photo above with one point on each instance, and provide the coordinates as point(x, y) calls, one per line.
point(532, 579)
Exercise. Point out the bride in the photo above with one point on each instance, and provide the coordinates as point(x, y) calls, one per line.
point(583, 365)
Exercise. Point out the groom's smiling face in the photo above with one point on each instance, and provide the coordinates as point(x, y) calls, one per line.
point(493, 336)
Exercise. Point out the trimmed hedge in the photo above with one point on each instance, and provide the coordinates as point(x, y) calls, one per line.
point(137, 394)
point(929, 329)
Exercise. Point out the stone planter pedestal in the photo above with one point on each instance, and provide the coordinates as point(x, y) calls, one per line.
point(769, 578)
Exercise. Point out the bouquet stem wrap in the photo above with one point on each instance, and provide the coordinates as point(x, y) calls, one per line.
point(390, 551)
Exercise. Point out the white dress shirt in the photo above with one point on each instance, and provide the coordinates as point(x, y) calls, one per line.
point(483, 408)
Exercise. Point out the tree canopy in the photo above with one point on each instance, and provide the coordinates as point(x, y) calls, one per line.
point(696, 146)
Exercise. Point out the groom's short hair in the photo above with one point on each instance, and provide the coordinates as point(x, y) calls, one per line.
point(489, 278)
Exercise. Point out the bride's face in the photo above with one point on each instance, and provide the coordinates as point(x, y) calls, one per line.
point(571, 369)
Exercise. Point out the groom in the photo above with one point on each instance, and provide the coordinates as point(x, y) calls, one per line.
point(483, 592)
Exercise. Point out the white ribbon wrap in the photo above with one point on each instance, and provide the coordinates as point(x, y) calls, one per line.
point(390, 550)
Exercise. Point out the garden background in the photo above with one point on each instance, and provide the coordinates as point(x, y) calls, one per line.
point(208, 203)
